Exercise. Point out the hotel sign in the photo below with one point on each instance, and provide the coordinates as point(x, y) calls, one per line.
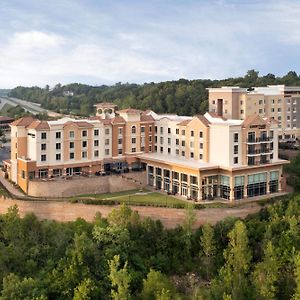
point(261, 126)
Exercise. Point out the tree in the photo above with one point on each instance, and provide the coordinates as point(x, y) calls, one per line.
point(266, 274)
point(189, 220)
point(84, 291)
point(120, 279)
point(208, 245)
point(297, 277)
point(157, 286)
point(233, 275)
point(15, 288)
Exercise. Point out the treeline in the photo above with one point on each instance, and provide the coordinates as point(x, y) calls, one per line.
point(184, 97)
point(125, 257)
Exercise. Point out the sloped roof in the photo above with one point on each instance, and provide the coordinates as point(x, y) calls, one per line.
point(253, 118)
point(146, 118)
point(81, 124)
point(130, 111)
point(4, 118)
point(39, 125)
point(184, 123)
point(117, 119)
point(25, 121)
point(105, 104)
point(214, 115)
point(203, 119)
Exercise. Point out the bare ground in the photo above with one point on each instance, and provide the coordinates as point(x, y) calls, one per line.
point(170, 217)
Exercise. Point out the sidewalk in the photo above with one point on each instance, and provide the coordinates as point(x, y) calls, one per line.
point(10, 187)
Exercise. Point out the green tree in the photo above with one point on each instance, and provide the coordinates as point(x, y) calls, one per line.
point(85, 290)
point(157, 286)
point(297, 277)
point(233, 275)
point(208, 245)
point(120, 279)
point(266, 274)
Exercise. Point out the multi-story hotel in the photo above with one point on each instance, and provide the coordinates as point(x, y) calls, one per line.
point(279, 102)
point(200, 157)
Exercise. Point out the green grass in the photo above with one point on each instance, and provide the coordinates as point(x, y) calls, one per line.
point(151, 198)
point(107, 195)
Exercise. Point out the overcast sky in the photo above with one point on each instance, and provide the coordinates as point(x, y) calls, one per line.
point(104, 42)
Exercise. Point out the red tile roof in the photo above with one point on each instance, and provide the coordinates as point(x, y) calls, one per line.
point(39, 125)
point(130, 111)
point(25, 121)
point(4, 118)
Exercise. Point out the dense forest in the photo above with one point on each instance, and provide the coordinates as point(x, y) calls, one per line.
point(184, 97)
point(126, 257)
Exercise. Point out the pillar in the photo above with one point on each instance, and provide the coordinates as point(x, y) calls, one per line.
point(231, 181)
point(268, 182)
point(188, 185)
point(171, 181)
point(179, 187)
point(154, 176)
point(162, 179)
point(245, 186)
point(199, 188)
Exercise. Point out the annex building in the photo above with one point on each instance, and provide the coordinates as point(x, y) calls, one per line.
point(200, 157)
point(279, 102)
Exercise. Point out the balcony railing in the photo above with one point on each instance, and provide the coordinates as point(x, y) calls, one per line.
point(259, 151)
point(260, 139)
point(258, 163)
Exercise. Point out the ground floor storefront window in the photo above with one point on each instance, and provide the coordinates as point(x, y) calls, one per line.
point(239, 187)
point(274, 176)
point(225, 187)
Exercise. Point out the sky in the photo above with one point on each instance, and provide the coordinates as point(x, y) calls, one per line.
point(103, 42)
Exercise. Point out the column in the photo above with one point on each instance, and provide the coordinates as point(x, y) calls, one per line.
point(179, 187)
point(154, 176)
point(64, 172)
point(231, 180)
point(171, 181)
point(199, 188)
point(188, 186)
point(245, 186)
point(268, 182)
point(162, 179)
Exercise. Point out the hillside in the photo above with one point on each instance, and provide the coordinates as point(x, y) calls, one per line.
point(184, 97)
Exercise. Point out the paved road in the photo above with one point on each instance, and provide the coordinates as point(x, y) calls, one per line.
point(29, 106)
point(170, 217)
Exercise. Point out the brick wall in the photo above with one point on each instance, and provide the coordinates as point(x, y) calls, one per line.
point(85, 185)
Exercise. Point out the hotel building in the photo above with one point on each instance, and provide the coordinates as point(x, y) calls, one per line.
point(200, 157)
point(279, 102)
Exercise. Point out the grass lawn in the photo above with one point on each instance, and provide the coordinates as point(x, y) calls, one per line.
point(107, 195)
point(151, 198)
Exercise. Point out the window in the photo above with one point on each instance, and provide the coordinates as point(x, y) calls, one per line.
point(142, 149)
point(177, 151)
point(236, 149)
point(133, 129)
point(120, 141)
point(72, 135)
point(161, 140)
point(272, 109)
point(72, 155)
point(71, 145)
point(96, 153)
point(120, 130)
point(182, 153)
point(96, 143)
point(169, 141)
point(106, 141)
point(201, 134)
point(169, 150)
point(169, 130)
point(150, 128)
point(161, 130)
point(236, 137)
point(84, 133)
point(161, 149)
point(106, 151)
point(43, 147)
point(133, 150)
point(43, 157)
point(192, 154)
point(150, 148)
point(143, 129)
point(192, 133)
point(177, 131)
point(201, 145)
point(120, 151)
point(182, 132)
point(58, 156)
point(177, 141)
point(242, 111)
point(58, 134)
point(44, 135)
point(58, 146)
point(96, 132)
point(235, 160)
point(183, 143)
point(260, 111)
point(260, 102)
point(150, 138)
point(155, 129)
point(200, 156)
point(133, 141)
point(23, 174)
point(107, 131)
point(84, 144)
point(191, 144)
point(84, 154)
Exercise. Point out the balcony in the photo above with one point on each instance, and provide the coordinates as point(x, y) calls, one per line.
point(259, 140)
point(254, 152)
point(259, 163)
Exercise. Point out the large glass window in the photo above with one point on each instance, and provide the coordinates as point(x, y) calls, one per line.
point(274, 175)
point(224, 187)
point(257, 184)
point(239, 187)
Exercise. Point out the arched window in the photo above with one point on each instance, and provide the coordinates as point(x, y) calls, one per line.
point(133, 129)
